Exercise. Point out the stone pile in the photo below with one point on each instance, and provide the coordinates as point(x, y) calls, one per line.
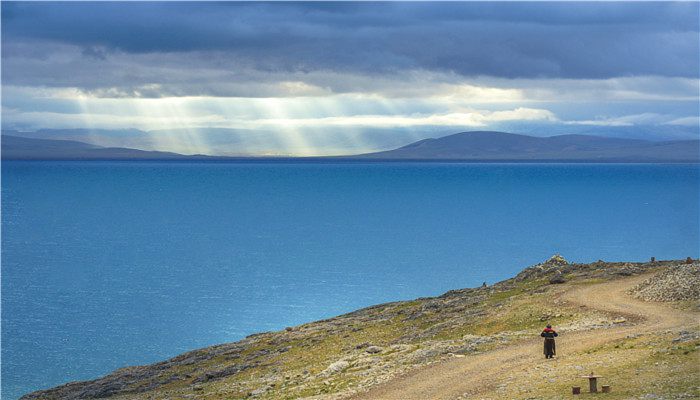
point(677, 283)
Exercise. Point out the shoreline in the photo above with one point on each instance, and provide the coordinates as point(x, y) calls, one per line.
point(310, 352)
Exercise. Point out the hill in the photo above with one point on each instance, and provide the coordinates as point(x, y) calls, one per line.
point(20, 148)
point(425, 348)
point(501, 146)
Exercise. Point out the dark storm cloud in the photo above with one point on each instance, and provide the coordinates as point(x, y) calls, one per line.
point(510, 40)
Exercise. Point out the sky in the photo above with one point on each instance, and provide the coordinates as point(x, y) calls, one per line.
point(289, 78)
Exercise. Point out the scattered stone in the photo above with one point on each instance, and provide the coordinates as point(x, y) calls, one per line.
point(674, 284)
point(686, 336)
point(374, 349)
point(259, 392)
point(625, 271)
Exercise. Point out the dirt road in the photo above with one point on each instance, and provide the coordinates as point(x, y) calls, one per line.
point(446, 380)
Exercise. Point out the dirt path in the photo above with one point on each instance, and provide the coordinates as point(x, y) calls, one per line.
point(447, 380)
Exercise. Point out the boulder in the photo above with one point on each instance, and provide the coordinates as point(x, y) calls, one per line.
point(374, 349)
point(557, 279)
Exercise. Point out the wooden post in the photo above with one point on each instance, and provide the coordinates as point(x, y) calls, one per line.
point(593, 384)
point(606, 388)
point(576, 390)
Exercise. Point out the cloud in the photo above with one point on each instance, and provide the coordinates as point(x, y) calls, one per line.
point(639, 119)
point(533, 40)
point(72, 108)
point(685, 121)
point(473, 118)
point(306, 69)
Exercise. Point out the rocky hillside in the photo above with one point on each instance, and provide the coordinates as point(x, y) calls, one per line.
point(337, 357)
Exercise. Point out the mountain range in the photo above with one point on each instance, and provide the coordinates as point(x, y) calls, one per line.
point(501, 146)
point(465, 146)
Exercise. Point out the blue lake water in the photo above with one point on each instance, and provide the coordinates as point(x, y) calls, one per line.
point(108, 264)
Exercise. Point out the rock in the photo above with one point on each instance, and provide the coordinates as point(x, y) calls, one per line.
point(555, 264)
point(366, 360)
point(400, 347)
point(284, 349)
point(556, 259)
point(259, 392)
point(557, 279)
point(338, 366)
point(425, 354)
point(374, 349)
point(222, 373)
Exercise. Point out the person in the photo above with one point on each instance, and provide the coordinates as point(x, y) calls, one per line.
point(550, 348)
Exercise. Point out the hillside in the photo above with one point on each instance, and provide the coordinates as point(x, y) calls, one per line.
point(495, 146)
point(426, 347)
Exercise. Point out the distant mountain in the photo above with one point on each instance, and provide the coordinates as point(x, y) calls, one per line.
point(19, 148)
point(465, 146)
point(238, 142)
point(501, 146)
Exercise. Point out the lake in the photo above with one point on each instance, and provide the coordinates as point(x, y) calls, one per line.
point(109, 264)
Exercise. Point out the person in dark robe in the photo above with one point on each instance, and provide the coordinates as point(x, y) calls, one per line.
point(550, 348)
